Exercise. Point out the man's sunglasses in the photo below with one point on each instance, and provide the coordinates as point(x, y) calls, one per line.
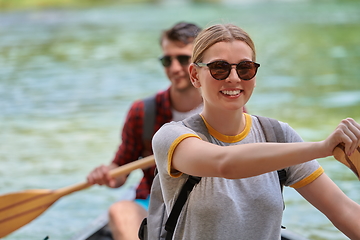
point(182, 59)
point(220, 70)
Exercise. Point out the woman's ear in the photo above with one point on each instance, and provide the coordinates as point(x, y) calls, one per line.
point(194, 75)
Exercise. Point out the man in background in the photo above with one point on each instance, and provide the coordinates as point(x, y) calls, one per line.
point(144, 118)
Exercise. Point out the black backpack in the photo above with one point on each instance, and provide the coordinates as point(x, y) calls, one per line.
point(163, 227)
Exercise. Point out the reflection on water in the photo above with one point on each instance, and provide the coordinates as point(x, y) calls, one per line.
point(68, 77)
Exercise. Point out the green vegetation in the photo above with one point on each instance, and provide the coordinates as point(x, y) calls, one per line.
point(6, 5)
point(40, 4)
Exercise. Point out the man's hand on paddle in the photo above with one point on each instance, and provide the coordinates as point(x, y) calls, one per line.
point(100, 175)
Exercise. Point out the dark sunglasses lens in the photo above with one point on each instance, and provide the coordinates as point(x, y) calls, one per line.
point(184, 60)
point(246, 70)
point(219, 70)
point(166, 61)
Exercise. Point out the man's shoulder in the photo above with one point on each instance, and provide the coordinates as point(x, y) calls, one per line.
point(156, 109)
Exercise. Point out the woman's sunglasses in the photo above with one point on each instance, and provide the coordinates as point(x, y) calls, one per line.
point(182, 59)
point(220, 70)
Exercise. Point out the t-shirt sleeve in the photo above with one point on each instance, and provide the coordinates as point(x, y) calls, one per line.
point(164, 143)
point(302, 174)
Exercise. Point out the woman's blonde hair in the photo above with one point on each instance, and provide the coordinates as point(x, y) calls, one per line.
point(219, 33)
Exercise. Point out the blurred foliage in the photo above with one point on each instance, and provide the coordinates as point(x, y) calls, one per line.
point(39, 4)
point(6, 5)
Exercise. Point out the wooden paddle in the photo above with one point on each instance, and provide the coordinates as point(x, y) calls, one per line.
point(18, 209)
point(352, 162)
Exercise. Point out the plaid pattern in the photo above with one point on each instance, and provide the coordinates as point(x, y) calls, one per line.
point(132, 146)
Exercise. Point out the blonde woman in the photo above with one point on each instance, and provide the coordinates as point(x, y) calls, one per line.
point(239, 196)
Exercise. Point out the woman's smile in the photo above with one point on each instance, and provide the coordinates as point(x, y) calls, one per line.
point(232, 93)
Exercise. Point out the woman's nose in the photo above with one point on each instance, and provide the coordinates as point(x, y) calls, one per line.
point(233, 76)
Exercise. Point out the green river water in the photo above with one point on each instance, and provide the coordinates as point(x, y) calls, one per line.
point(68, 76)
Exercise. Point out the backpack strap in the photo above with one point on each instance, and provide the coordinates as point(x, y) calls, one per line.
point(273, 133)
point(272, 129)
point(171, 222)
point(148, 131)
point(149, 115)
point(178, 205)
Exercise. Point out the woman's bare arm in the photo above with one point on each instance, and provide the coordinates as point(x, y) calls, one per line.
point(332, 202)
point(196, 157)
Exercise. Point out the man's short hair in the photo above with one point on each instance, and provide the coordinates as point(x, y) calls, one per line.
point(183, 32)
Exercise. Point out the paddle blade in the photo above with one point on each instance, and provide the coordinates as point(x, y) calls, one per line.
point(352, 162)
point(18, 209)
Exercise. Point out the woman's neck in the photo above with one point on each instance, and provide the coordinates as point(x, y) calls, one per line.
point(230, 123)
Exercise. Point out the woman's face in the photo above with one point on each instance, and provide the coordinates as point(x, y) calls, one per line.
point(233, 92)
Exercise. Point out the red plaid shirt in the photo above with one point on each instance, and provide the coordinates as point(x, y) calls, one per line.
point(132, 146)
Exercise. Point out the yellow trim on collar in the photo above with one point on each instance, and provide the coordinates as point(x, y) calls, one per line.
point(309, 179)
point(172, 172)
point(230, 139)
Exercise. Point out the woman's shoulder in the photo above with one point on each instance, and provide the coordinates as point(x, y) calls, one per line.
point(168, 129)
point(173, 128)
point(188, 122)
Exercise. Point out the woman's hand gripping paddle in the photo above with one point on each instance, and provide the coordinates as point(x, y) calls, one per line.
point(352, 162)
point(18, 209)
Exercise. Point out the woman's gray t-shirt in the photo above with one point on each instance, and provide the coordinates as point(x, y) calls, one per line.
point(218, 208)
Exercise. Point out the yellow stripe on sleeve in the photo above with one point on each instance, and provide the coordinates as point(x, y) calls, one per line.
point(173, 172)
point(309, 179)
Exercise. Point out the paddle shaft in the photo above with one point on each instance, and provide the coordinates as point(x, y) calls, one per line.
point(122, 170)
